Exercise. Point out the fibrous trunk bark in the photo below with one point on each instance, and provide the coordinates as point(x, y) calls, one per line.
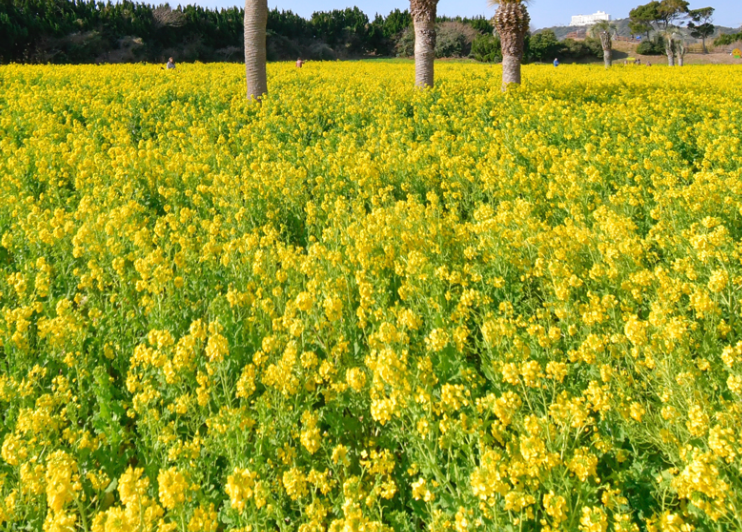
point(510, 71)
point(680, 51)
point(511, 22)
point(256, 19)
point(670, 51)
point(607, 42)
point(423, 18)
point(424, 53)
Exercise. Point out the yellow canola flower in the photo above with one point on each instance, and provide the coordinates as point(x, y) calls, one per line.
point(593, 520)
point(173, 488)
point(357, 305)
point(62, 480)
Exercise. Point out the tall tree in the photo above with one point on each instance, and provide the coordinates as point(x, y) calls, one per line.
point(658, 15)
point(605, 31)
point(700, 26)
point(511, 22)
point(256, 19)
point(670, 10)
point(423, 18)
point(639, 28)
point(642, 17)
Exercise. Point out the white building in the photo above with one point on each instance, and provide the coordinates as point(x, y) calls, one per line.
point(589, 20)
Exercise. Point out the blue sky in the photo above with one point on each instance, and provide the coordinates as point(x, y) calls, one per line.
point(543, 12)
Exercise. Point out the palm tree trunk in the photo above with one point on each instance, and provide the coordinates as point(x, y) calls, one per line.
point(680, 60)
point(424, 51)
point(670, 49)
point(511, 23)
point(423, 18)
point(256, 19)
point(510, 71)
point(606, 41)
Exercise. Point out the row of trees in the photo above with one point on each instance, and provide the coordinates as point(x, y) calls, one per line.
point(511, 22)
point(662, 16)
point(661, 22)
point(666, 17)
point(74, 31)
point(71, 31)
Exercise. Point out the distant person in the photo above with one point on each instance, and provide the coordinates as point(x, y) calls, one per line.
point(556, 62)
point(170, 63)
point(299, 63)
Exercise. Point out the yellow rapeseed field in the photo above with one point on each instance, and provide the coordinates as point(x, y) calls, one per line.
point(360, 307)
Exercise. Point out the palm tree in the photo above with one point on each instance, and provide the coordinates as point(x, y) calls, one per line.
point(669, 38)
point(511, 23)
point(605, 31)
point(423, 18)
point(680, 48)
point(256, 19)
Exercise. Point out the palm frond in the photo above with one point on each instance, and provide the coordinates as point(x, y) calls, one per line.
point(604, 26)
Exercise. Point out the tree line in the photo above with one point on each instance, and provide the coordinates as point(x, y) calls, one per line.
point(662, 23)
point(82, 31)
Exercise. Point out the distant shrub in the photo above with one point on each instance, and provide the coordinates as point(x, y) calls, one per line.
point(454, 39)
point(486, 48)
point(320, 51)
point(594, 47)
point(572, 49)
point(651, 47)
point(543, 46)
point(278, 46)
point(406, 44)
point(727, 38)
